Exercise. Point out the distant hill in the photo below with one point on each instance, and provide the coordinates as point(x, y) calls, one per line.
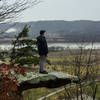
point(82, 30)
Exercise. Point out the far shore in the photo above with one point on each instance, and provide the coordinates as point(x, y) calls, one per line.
point(49, 40)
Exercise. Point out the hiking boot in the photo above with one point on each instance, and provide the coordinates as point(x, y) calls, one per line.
point(43, 72)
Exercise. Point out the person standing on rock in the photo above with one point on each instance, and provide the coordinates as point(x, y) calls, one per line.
point(43, 50)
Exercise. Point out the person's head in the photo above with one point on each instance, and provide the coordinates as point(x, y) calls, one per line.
point(42, 32)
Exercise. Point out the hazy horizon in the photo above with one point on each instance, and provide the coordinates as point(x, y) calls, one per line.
point(57, 20)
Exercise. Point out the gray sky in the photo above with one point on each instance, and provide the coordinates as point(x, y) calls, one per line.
point(63, 10)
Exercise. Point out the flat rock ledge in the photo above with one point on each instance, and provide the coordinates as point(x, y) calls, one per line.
point(50, 80)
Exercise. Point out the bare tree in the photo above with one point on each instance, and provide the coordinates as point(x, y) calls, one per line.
point(85, 64)
point(10, 9)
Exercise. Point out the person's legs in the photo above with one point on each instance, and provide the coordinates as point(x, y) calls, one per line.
point(42, 62)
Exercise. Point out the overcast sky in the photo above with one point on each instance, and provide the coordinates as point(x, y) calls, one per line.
point(63, 10)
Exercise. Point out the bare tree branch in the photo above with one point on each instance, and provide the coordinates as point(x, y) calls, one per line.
point(9, 9)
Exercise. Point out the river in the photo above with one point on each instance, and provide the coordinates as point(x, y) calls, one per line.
point(60, 45)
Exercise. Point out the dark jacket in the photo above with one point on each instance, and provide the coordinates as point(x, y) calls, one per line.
point(42, 45)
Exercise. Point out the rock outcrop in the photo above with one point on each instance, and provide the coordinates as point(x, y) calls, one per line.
point(51, 80)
